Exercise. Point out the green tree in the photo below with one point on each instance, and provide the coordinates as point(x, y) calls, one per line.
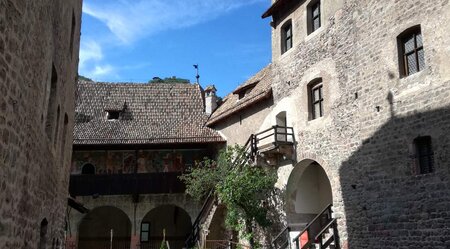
point(169, 80)
point(238, 185)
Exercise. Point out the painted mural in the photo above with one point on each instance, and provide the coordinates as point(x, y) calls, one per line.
point(141, 161)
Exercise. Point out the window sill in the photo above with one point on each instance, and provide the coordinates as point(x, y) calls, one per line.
point(314, 34)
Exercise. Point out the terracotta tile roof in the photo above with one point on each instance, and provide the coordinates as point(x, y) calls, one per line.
point(257, 88)
point(154, 113)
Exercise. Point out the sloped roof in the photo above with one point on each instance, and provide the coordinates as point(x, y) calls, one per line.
point(150, 114)
point(257, 88)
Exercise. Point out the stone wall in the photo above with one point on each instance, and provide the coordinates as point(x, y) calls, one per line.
point(39, 44)
point(364, 141)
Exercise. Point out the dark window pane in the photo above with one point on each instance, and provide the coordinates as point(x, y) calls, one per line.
point(411, 61)
point(144, 236)
point(315, 10)
point(316, 94)
point(316, 24)
point(409, 44)
point(421, 58)
point(288, 43)
point(316, 110)
point(145, 226)
point(419, 40)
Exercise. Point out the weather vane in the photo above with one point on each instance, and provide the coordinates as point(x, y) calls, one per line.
point(197, 76)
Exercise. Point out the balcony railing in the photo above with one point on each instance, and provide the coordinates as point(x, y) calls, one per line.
point(122, 184)
point(269, 139)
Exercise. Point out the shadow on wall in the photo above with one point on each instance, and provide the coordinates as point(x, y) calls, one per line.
point(390, 200)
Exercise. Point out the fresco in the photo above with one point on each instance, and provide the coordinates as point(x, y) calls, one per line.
point(148, 161)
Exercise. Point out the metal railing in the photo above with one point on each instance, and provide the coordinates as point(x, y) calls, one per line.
point(316, 230)
point(282, 240)
point(195, 233)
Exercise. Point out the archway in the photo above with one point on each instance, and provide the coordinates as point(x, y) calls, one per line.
point(174, 220)
point(100, 225)
point(88, 169)
point(308, 193)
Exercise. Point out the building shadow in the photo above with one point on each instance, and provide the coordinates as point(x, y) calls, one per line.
point(388, 201)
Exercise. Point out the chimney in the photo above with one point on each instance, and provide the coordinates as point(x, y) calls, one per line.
point(210, 99)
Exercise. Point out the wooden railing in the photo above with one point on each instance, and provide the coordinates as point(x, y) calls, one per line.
point(276, 135)
point(120, 184)
point(317, 229)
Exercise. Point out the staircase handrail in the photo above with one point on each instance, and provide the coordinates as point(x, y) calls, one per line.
point(308, 226)
point(196, 225)
point(288, 229)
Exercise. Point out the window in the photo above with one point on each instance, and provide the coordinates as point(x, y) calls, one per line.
point(316, 98)
point(113, 115)
point(411, 53)
point(313, 16)
point(72, 33)
point(43, 234)
point(423, 156)
point(281, 127)
point(88, 169)
point(145, 231)
point(51, 105)
point(286, 37)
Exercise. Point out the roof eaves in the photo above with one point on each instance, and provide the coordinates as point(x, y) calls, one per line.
point(275, 6)
point(241, 106)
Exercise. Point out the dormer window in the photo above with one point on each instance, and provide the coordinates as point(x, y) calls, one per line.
point(245, 90)
point(113, 115)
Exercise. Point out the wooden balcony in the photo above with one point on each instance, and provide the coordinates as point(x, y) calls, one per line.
point(124, 184)
point(272, 144)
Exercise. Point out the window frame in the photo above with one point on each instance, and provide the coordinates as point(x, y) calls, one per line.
point(311, 17)
point(316, 85)
point(287, 42)
point(423, 143)
point(145, 231)
point(406, 35)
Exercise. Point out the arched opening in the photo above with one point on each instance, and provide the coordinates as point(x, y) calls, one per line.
point(281, 123)
point(88, 169)
point(308, 193)
point(43, 234)
point(105, 227)
point(174, 220)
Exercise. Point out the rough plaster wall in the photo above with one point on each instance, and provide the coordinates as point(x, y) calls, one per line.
point(34, 170)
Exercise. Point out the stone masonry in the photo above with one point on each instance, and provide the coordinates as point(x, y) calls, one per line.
point(364, 141)
point(39, 44)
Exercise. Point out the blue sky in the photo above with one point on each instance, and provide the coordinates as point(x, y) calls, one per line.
point(135, 40)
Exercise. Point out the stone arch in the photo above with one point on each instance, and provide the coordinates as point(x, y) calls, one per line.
point(174, 220)
point(308, 192)
point(102, 223)
point(88, 169)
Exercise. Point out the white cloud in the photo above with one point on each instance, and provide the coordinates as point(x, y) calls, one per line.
point(102, 71)
point(89, 51)
point(130, 20)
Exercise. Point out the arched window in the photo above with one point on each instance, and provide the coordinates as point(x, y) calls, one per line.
point(410, 51)
point(72, 33)
point(286, 36)
point(281, 127)
point(51, 106)
point(313, 16)
point(315, 98)
point(88, 169)
point(43, 234)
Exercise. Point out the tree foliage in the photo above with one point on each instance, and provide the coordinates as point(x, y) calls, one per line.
point(241, 187)
point(169, 80)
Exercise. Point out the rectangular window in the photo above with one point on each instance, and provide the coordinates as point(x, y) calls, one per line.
point(424, 156)
point(313, 17)
point(412, 59)
point(286, 37)
point(316, 101)
point(145, 232)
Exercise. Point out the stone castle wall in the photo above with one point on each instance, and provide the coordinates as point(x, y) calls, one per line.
point(364, 141)
point(39, 44)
